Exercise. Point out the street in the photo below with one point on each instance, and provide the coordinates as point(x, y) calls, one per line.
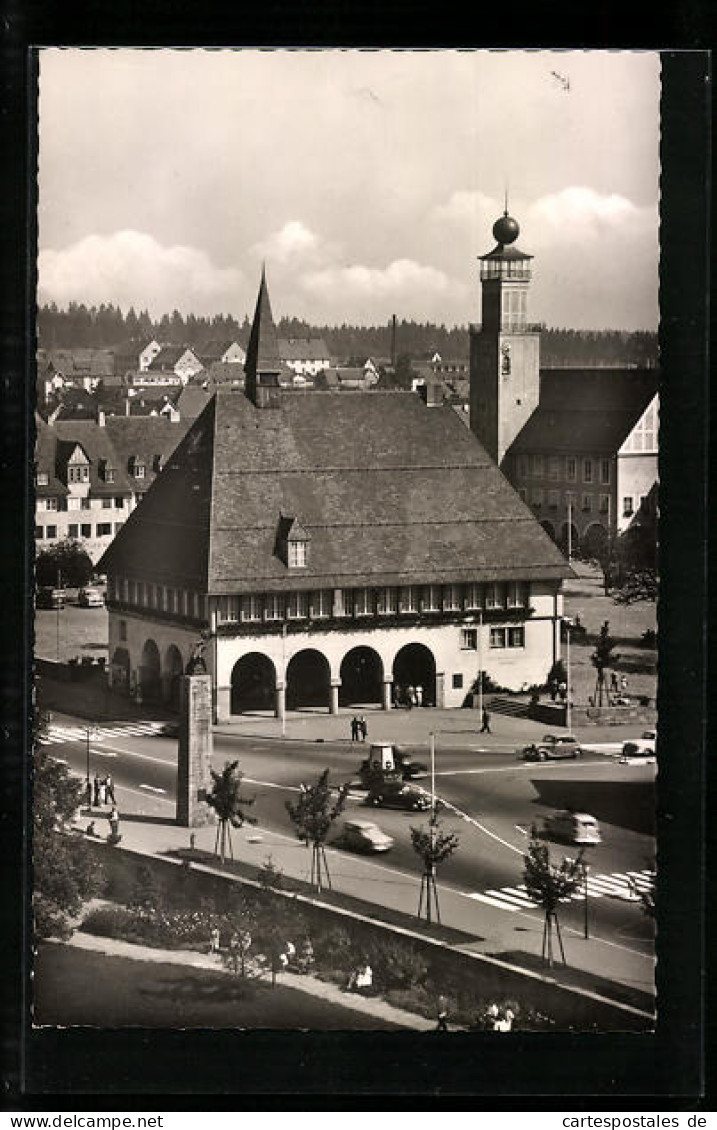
point(488, 796)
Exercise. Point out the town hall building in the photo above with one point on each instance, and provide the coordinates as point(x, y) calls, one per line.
point(330, 549)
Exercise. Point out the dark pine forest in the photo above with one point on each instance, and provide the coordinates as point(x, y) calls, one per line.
point(107, 327)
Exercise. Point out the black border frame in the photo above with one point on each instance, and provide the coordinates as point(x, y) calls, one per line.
point(65, 1069)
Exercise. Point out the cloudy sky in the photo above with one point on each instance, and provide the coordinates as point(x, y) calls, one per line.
point(367, 181)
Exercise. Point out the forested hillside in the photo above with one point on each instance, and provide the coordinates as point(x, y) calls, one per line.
point(106, 327)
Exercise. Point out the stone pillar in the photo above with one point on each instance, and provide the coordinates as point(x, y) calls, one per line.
point(195, 750)
point(334, 697)
point(223, 707)
point(166, 687)
point(440, 690)
point(280, 710)
point(387, 693)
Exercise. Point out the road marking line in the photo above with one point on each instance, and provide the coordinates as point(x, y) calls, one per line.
point(511, 899)
point(493, 902)
point(152, 789)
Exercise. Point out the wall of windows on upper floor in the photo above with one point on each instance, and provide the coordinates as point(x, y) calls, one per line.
point(588, 469)
point(319, 604)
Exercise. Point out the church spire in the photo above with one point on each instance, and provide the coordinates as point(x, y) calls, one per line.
point(263, 363)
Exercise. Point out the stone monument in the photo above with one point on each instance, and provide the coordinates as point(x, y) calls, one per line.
point(195, 742)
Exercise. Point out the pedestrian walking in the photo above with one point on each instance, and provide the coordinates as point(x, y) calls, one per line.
point(88, 792)
point(485, 728)
point(563, 691)
point(103, 793)
point(442, 1025)
point(623, 684)
point(363, 728)
point(354, 729)
point(109, 790)
point(96, 790)
point(419, 696)
point(214, 946)
point(613, 682)
point(409, 697)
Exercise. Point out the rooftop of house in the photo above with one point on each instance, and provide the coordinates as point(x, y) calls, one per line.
point(144, 439)
point(56, 443)
point(168, 356)
point(303, 349)
point(388, 490)
point(215, 349)
point(588, 409)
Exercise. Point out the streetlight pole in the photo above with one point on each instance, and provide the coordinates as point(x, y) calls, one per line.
point(480, 665)
point(586, 931)
point(59, 598)
point(283, 675)
point(568, 705)
point(570, 530)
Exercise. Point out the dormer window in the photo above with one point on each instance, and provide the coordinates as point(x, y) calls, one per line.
point(157, 464)
point(42, 478)
point(136, 467)
point(297, 554)
point(79, 473)
point(293, 543)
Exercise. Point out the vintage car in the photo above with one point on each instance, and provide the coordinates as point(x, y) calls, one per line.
point(48, 597)
point(397, 795)
point(552, 748)
point(573, 827)
point(364, 835)
point(90, 598)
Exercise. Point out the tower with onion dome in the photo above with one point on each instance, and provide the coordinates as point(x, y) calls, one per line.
point(505, 347)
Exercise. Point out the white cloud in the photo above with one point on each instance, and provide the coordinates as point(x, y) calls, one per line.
point(131, 268)
point(362, 293)
point(291, 242)
point(596, 254)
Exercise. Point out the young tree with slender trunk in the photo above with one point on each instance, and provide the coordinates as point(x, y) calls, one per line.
point(433, 846)
point(547, 885)
point(603, 658)
point(312, 815)
point(227, 801)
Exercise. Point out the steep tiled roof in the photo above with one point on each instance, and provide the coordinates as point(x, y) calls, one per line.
point(144, 438)
point(388, 490)
point(303, 349)
point(192, 400)
point(586, 409)
point(262, 355)
point(168, 356)
point(98, 447)
point(215, 349)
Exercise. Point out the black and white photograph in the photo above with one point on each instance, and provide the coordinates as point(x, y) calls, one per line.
point(346, 525)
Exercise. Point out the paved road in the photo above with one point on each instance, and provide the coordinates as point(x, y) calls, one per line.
point(491, 798)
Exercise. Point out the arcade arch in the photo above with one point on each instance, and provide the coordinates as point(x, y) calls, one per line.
point(172, 675)
point(361, 677)
point(415, 666)
point(150, 683)
point(308, 680)
point(253, 684)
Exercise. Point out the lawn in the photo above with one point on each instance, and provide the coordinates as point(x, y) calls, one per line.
point(584, 596)
point(78, 987)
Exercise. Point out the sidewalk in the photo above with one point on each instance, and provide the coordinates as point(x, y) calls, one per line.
point(599, 967)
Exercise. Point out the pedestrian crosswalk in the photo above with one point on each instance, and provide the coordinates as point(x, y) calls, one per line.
point(59, 735)
point(626, 885)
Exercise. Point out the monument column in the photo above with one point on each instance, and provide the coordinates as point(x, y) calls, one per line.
point(280, 709)
point(195, 750)
point(387, 693)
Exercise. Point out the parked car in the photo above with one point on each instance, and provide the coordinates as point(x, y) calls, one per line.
point(642, 748)
point(48, 597)
point(90, 598)
point(364, 835)
point(573, 827)
point(400, 796)
point(552, 747)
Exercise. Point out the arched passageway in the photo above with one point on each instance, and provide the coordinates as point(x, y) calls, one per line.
point(308, 680)
point(253, 684)
point(172, 676)
point(571, 545)
point(361, 677)
point(150, 683)
point(414, 666)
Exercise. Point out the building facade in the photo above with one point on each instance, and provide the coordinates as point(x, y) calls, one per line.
point(579, 445)
point(328, 552)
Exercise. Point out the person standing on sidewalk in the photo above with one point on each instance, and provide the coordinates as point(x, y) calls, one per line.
point(88, 792)
point(354, 729)
point(109, 790)
point(96, 791)
point(363, 728)
point(485, 728)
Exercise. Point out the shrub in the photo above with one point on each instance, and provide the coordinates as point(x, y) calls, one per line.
point(395, 964)
point(335, 949)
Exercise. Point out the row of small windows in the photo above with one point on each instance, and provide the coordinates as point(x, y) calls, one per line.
point(63, 504)
point(79, 530)
point(537, 498)
point(161, 598)
point(338, 603)
point(80, 472)
point(558, 467)
point(513, 636)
